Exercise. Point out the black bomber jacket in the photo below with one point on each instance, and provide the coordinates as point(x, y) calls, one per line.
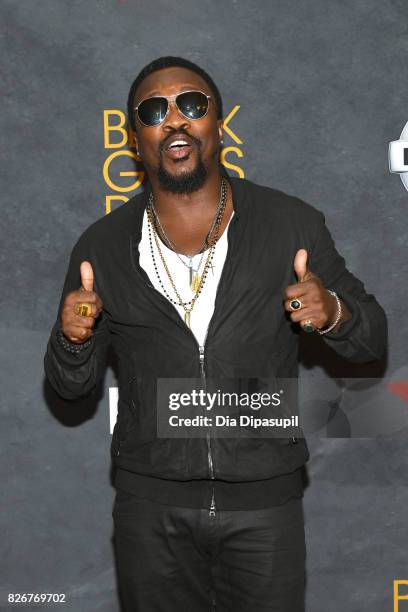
point(249, 335)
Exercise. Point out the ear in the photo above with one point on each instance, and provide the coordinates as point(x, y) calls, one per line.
point(220, 129)
point(136, 143)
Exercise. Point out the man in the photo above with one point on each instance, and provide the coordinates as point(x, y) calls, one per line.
point(203, 275)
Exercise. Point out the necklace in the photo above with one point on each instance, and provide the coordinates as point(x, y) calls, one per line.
point(187, 306)
point(194, 278)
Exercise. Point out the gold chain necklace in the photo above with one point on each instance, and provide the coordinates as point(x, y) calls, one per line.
point(199, 284)
point(194, 278)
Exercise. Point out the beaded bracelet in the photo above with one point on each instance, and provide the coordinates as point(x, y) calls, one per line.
point(338, 315)
point(70, 346)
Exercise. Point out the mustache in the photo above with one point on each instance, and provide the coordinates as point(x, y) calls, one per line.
point(164, 142)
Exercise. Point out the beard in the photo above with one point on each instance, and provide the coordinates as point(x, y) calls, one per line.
point(184, 183)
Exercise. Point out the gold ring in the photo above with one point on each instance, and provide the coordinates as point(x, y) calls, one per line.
point(295, 304)
point(308, 326)
point(83, 309)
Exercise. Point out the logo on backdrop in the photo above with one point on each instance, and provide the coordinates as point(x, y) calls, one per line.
point(400, 594)
point(398, 156)
point(119, 171)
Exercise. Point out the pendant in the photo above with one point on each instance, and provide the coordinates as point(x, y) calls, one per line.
point(187, 317)
point(190, 270)
point(195, 283)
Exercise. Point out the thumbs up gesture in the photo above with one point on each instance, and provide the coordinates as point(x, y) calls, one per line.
point(81, 308)
point(309, 303)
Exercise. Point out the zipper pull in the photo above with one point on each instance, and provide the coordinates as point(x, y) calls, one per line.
point(212, 507)
point(201, 349)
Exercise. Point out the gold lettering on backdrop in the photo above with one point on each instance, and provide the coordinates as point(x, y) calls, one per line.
point(110, 198)
point(109, 128)
point(227, 164)
point(227, 129)
point(397, 595)
point(116, 135)
point(115, 186)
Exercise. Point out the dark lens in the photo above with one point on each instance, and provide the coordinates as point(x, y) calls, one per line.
point(152, 111)
point(193, 104)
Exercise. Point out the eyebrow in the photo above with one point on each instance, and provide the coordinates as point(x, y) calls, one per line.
point(157, 93)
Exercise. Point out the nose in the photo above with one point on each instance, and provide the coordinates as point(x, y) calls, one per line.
point(175, 120)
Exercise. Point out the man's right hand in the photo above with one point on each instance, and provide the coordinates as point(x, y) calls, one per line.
point(77, 328)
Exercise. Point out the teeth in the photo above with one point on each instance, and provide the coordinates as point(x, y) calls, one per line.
point(178, 143)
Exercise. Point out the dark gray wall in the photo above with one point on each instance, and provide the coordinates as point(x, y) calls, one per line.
point(322, 90)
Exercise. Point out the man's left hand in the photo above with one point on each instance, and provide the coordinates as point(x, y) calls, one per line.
point(318, 305)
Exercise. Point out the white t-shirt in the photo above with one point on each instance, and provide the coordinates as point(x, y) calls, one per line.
point(204, 306)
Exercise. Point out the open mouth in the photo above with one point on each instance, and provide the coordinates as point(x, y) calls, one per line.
point(179, 147)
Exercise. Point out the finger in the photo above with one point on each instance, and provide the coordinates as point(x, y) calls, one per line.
point(81, 321)
point(300, 265)
point(78, 334)
point(81, 296)
point(305, 304)
point(87, 276)
point(305, 313)
point(297, 290)
point(93, 309)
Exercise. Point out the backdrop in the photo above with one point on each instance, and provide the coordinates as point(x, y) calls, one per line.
point(313, 92)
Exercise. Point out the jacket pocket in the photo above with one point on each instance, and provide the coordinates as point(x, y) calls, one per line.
point(137, 446)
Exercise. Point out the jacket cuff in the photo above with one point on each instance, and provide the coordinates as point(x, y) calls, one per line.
point(346, 327)
point(64, 356)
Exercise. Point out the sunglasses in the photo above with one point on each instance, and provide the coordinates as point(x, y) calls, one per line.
point(191, 104)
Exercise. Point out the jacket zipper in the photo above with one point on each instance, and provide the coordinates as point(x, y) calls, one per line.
point(201, 347)
point(212, 506)
point(202, 353)
point(209, 451)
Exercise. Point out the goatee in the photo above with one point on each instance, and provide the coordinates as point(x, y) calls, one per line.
point(185, 183)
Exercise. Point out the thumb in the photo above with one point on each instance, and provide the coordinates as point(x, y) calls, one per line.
point(87, 276)
point(300, 265)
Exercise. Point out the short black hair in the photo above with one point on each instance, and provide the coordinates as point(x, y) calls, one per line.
point(170, 62)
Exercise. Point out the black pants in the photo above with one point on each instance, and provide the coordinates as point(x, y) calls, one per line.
point(181, 559)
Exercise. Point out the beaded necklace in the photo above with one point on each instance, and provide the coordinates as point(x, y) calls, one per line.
point(187, 306)
point(194, 278)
